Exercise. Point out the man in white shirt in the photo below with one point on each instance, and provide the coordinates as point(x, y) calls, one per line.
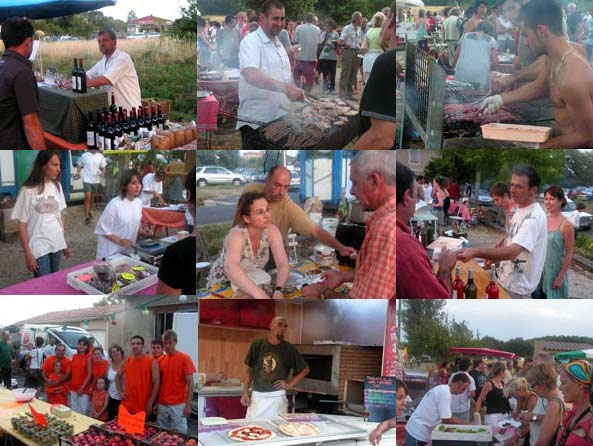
point(92, 164)
point(115, 72)
point(434, 409)
point(523, 255)
point(461, 403)
point(265, 85)
point(350, 40)
point(152, 187)
point(50, 348)
point(308, 37)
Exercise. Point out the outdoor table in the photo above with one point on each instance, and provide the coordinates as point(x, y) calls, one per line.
point(226, 92)
point(481, 278)
point(219, 291)
point(9, 408)
point(55, 284)
point(64, 113)
point(163, 217)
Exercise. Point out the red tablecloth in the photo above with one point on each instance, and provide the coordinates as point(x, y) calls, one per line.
point(55, 284)
point(56, 143)
point(227, 93)
point(161, 217)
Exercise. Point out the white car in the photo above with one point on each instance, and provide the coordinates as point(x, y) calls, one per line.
point(580, 220)
point(206, 175)
point(484, 198)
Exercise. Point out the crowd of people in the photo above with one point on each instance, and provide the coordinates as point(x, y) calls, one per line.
point(281, 62)
point(265, 214)
point(95, 382)
point(551, 401)
point(20, 126)
point(41, 203)
point(532, 258)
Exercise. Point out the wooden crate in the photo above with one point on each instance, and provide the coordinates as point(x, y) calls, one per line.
point(165, 105)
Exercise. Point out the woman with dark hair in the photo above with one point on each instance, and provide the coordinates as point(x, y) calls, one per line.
point(247, 248)
point(98, 365)
point(554, 282)
point(116, 355)
point(81, 377)
point(422, 25)
point(576, 384)
point(177, 274)
point(476, 56)
point(441, 207)
point(38, 209)
point(497, 405)
point(119, 224)
point(401, 393)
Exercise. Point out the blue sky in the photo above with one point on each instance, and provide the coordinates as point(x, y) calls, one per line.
point(169, 9)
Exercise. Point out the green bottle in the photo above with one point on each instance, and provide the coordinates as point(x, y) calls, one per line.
point(470, 291)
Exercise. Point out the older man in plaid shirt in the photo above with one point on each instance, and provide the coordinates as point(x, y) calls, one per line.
point(373, 182)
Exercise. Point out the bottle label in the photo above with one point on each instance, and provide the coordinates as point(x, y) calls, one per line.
point(90, 138)
point(107, 144)
point(74, 83)
point(161, 127)
point(79, 83)
point(100, 142)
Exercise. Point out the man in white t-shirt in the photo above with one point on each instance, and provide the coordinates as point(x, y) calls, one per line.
point(50, 348)
point(115, 72)
point(266, 79)
point(434, 409)
point(93, 165)
point(152, 187)
point(461, 403)
point(523, 255)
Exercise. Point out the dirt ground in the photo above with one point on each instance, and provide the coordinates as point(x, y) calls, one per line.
point(80, 237)
point(230, 139)
point(580, 280)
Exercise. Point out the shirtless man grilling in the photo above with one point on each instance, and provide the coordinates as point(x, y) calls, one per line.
point(565, 74)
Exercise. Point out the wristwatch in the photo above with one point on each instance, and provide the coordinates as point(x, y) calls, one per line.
point(279, 288)
point(534, 417)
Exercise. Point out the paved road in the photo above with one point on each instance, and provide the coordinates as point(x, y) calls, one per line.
point(219, 211)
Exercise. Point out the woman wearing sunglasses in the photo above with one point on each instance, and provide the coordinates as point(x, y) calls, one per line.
point(247, 249)
point(576, 382)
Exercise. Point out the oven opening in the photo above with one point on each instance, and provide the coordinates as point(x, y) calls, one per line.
point(321, 367)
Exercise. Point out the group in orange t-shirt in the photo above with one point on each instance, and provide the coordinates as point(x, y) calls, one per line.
point(80, 377)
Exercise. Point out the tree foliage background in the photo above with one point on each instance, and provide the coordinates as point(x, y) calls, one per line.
point(429, 330)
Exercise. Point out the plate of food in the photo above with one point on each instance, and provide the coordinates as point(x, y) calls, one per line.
point(294, 429)
point(251, 432)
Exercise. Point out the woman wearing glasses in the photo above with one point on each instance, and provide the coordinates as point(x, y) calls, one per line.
point(543, 381)
point(247, 246)
point(576, 381)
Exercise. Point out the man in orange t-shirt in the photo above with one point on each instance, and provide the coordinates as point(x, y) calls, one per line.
point(80, 378)
point(177, 386)
point(48, 366)
point(142, 380)
point(156, 347)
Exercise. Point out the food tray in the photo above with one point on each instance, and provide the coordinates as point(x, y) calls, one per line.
point(486, 435)
point(516, 132)
point(129, 290)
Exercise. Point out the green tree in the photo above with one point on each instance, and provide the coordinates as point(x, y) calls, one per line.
point(295, 9)
point(342, 11)
point(186, 27)
point(206, 157)
point(132, 15)
point(219, 7)
point(424, 324)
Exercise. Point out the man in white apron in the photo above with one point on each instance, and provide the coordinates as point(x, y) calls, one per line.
point(273, 365)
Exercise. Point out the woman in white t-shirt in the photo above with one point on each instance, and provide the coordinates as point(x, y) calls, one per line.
point(120, 222)
point(38, 209)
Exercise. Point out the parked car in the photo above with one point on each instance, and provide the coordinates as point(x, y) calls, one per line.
point(484, 198)
point(580, 220)
point(255, 176)
point(295, 180)
point(574, 192)
point(586, 194)
point(206, 175)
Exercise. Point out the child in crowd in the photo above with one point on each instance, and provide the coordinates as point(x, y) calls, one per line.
point(57, 394)
point(100, 400)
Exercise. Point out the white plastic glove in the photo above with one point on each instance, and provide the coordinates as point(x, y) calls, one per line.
point(491, 105)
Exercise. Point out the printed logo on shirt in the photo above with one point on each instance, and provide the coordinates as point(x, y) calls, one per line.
point(269, 365)
point(46, 204)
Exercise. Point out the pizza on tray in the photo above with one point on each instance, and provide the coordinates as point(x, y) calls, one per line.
point(299, 429)
point(251, 433)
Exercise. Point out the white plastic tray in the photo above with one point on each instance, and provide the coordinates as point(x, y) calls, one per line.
point(130, 290)
point(460, 436)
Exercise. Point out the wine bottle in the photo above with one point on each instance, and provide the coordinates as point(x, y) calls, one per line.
point(81, 77)
point(109, 135)
point(133, 122)
point(118, 130)
point(141, 124)
point(155, 119)
point(125, 124)
point(75, 76)
point(458, 285)
point(492, 290)
point(148, 122)
point(160, 119)
point(90, 133)
point(113, 107)
point(100, 134)
point(470, 290)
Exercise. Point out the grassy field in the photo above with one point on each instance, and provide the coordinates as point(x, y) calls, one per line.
point(166, 68)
